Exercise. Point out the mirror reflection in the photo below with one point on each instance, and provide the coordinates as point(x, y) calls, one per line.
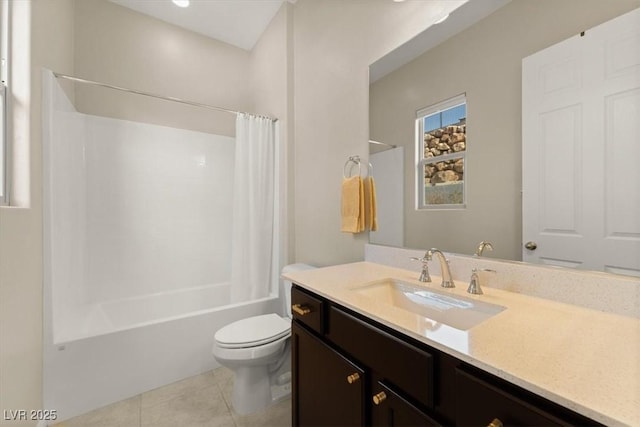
point(484, 62)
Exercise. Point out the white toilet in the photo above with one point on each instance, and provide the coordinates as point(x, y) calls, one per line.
point(257, 349)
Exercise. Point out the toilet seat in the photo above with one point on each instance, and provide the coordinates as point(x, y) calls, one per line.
point(253, 331)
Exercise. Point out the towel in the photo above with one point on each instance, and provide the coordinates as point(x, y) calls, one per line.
point(352, 205)
point(371, 210)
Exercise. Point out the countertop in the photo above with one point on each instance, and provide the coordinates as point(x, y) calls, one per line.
point(583, 359)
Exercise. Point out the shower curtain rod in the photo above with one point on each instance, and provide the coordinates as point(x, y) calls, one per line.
point(151, 95)
point(382, 143)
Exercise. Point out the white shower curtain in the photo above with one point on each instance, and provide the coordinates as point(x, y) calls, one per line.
point(254, 248)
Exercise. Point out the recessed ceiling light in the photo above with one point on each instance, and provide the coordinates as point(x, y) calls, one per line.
point(181, 3)
point(398, 1)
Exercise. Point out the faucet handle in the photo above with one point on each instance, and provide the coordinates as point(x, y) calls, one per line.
point(424, 274)
point(474, 284)
point(481, 247)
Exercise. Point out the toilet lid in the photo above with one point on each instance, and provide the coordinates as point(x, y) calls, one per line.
point(253, 331)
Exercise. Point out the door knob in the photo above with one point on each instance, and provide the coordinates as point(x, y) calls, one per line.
point(495, 423)
point(531, 246)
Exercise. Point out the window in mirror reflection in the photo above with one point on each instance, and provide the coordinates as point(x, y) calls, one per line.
point(441, 148)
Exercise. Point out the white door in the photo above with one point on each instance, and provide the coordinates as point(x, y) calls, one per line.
point(581, 150)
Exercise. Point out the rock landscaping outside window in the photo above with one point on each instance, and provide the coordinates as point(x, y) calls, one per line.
point(442, 143)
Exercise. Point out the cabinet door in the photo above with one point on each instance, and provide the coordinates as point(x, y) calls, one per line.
point(328, 389)
point(390, 409)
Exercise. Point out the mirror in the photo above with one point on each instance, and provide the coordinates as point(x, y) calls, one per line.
point(483, 60)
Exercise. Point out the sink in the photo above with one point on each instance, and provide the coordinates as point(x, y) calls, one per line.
point(458, 312)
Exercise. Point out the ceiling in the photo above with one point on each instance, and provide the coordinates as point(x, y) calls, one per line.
point(237, 22)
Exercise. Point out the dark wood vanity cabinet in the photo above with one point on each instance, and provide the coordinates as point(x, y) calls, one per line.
point(324, 396)
point(348, 370)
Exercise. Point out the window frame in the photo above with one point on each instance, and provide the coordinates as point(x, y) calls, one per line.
point(4, 102)
point(421, 161)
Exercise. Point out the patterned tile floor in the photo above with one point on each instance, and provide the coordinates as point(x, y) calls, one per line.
point(200, 401)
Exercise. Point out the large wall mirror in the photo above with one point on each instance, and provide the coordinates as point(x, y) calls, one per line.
point(481, 58)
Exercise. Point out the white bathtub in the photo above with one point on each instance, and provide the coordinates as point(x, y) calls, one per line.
point(125, 347)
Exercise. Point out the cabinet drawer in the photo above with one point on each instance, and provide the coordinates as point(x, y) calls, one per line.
point(307, 309)
point(405, 366)
point(479, 402)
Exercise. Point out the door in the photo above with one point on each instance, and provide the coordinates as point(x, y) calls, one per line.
point(328, 389)
point(581, 150)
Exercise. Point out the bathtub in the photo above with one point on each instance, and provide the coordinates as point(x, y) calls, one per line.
point(102, 353)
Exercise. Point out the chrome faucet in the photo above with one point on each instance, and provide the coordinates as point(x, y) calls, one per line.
point(424, 275)
point(447, 281)
point(482, 246)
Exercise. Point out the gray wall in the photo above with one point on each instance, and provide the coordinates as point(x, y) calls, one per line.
point(334, 43)
point(485, 62)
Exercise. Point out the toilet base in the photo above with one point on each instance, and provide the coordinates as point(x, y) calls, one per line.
point(253, 391)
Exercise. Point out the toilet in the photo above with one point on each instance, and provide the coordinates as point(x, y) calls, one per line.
point(257, 350)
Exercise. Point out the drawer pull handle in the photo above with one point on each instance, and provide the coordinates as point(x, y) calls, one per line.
point(379, 398)
point(301, 310)
point(353, 378)
point(495, 423)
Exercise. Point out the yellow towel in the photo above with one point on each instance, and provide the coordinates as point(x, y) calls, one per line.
point(370, 210)
point(368, 217)
point(352, 205)
point(361, 214)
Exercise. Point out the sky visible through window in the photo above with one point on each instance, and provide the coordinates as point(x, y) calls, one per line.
point(445, 118)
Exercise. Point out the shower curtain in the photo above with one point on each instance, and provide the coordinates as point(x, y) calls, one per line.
point(254, 248)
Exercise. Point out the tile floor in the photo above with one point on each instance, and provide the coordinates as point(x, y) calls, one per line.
point(200, 401)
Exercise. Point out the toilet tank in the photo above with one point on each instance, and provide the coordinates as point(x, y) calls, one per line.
point(286, 284)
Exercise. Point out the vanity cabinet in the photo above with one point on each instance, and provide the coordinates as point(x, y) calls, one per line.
point(329, 387)
point(348, 370)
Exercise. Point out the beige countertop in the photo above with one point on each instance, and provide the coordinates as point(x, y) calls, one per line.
point(583, 359)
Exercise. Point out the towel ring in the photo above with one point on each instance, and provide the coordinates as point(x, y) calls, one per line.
point(356, 160)
point(352, 159)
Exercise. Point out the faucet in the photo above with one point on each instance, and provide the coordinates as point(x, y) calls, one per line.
point(482, 246)
point(474, 284)
point(447, 281)
point(424, 275)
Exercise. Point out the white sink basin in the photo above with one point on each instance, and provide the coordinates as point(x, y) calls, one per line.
point(453, 310)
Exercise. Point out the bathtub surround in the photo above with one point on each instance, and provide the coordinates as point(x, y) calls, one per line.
point(131, 210)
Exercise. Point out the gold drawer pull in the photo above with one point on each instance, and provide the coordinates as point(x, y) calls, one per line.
point(379, 398)
point(353, 378)
point(301, 310)
point(495, 423)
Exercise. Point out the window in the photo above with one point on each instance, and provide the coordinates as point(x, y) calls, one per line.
point(440, 152)
point(4, 36)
